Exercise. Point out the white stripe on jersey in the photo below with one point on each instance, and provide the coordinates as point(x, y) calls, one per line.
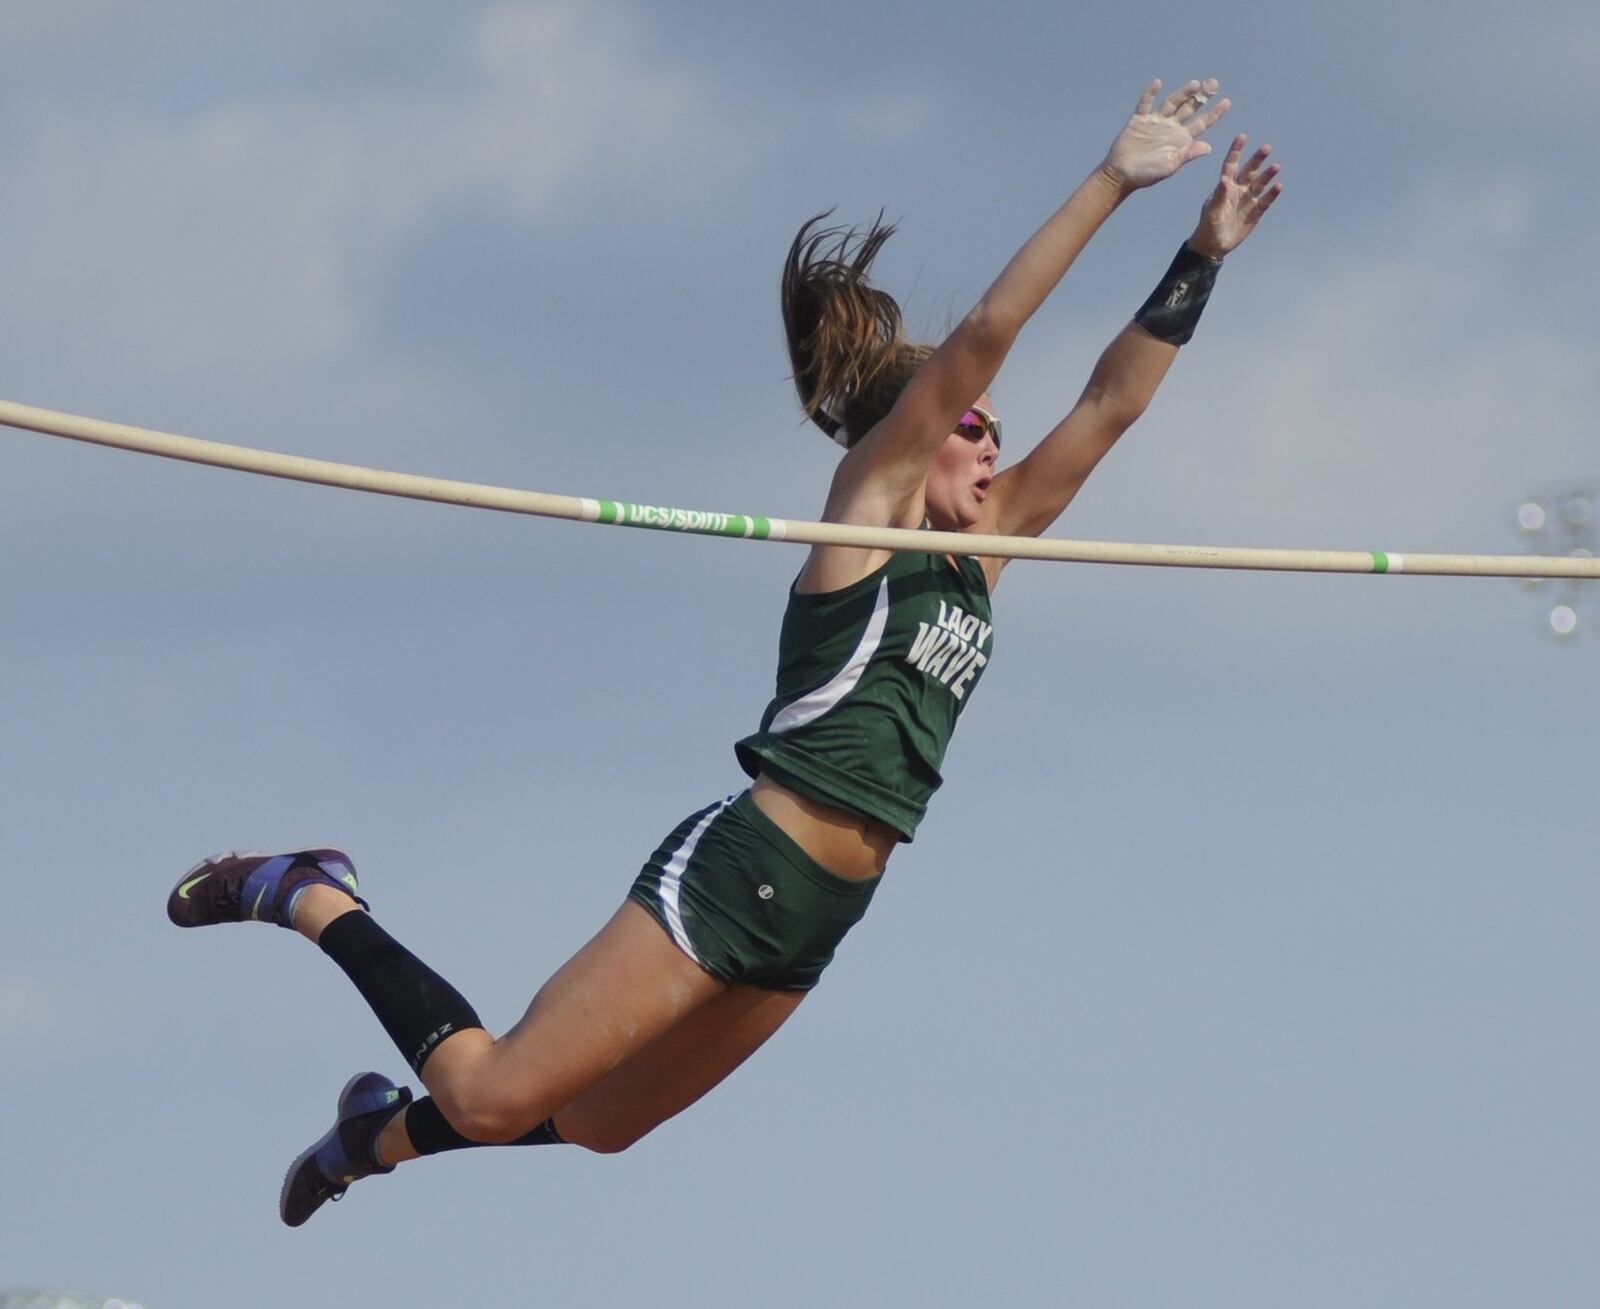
point(810, 707)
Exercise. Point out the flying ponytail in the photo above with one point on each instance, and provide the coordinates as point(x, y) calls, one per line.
point(850, 361)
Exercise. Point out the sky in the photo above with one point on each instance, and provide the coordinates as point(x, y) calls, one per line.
point(1246, 959)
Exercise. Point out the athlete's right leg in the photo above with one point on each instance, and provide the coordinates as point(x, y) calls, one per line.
point(621, 991)
point(613, 998)
point(609, 1001)
point(313, 892)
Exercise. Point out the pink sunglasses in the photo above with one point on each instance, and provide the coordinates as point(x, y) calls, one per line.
point(978, 423)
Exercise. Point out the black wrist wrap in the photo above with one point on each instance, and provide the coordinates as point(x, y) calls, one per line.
point(1173, 309)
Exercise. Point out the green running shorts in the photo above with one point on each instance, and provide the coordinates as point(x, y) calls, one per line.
point(746, 903)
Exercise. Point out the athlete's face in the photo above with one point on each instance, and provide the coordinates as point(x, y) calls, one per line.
point(958, 480)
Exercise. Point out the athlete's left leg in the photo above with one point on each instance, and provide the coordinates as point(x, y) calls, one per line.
point(676, 1069)
point(654, 1084)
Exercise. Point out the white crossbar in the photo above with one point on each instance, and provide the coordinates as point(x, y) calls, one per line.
point(755, 527)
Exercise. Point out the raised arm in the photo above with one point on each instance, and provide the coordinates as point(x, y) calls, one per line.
point(880, 480)
point(1026, 499)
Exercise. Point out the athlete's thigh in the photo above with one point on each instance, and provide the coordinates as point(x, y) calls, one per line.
point(677, 1068)
point(608, 1002)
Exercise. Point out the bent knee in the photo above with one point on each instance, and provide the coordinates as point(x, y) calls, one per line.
point(486, 1117)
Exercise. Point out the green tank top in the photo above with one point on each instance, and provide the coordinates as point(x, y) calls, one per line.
point(871, 681)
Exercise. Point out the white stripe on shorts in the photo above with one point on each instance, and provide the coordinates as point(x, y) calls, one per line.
point(672, 876)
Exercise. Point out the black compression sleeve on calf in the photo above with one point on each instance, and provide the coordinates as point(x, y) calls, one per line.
point(430, 1133)
point(416, 1006)
point(1173, 309)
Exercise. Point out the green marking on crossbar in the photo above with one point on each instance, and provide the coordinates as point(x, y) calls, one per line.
point(701, 521)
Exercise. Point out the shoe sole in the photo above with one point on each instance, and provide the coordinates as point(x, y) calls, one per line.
point(308, 1153)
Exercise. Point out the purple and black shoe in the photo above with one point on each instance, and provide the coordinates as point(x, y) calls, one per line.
point(252, 886)
point(346, 1154)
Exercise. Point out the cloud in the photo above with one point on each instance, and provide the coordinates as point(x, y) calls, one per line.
point(1397, 391)
point(249, 228)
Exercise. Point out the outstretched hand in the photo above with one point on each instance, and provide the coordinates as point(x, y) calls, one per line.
point(1243, 193)
point(1156, 143)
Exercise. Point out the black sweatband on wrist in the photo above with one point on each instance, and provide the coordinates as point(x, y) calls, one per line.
point(1173, 309)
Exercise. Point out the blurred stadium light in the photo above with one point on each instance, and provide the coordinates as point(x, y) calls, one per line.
point(1563, 519)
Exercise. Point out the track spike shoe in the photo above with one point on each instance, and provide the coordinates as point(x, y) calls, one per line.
point(252, 886)
point(325, 1170)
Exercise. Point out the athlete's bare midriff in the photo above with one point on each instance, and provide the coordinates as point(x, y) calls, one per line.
point(843, 843)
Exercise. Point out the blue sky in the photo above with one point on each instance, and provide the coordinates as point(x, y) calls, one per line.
point(1247, 958)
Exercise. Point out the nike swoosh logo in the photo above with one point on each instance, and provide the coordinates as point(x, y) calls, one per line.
point(183, 891)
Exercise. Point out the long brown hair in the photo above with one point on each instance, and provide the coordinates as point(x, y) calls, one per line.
point(850, 360)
